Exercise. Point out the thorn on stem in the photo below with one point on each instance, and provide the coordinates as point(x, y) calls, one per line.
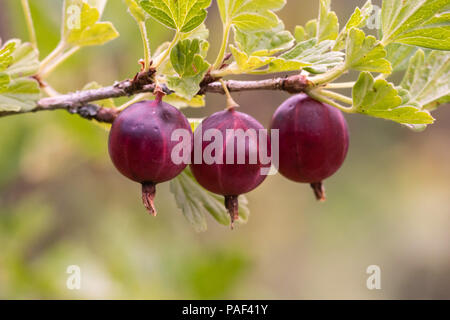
point(142, 63)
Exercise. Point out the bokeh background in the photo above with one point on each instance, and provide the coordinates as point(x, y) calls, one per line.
point(62, 203)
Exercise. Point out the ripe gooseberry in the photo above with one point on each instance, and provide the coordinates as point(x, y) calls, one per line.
point(235, 172)
point(314, 141)
point(140, 145)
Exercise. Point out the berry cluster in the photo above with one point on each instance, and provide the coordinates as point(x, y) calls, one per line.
point(313, 143)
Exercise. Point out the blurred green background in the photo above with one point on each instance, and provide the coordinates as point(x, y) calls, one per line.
point(62, 203)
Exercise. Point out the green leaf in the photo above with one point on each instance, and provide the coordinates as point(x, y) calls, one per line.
point(300, 34)
point(196, 203)
point(201, 32)
point(366, 53)
point(327, 25)
point(316, 57)
point(186, 57)
point(357, 20)
point(6, 58)
point(19, 60)
point(245, 63)
point(250, 15)
point(181, 15)
point(360, 16)
point(428, 78)
point(180, 102)
point(136, 11)
point(85, 29)
point(98, 4)
point(433, 105)
point(264, 43)
point(307, 32)
point(18, 92)
point(422, 23)
point(399, 55)
point(20, 96)
point(311, 28)
point(379, 98)
point(283, 65)
point(4, 81)
point(189, 64)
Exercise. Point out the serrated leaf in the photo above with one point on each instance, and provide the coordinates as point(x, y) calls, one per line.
point(186, 87)
point(399, 55)
point(196, 203)
point(181, 15)
point(311, 28)
point(136, 11)
point(316, 57)
point(428, 78)
point(379, 98)
point(283, 65)
point(189, 64)
point(433, 105)
point(357, 20)
point(201, 33)
point(264, 43)
point(307, 32)
point(4, 81)
point(98, 4)
point(100, 33)
point(246, 63)
point(421, 23)
point(82, 26)
point(20, 96)
point(21, 61)
point(186, 57)
point(250, 15)
point(6, 58)
point(180, 102)
point(300, 34)
point(327, 24)
point(18, 62)
point(366, 53)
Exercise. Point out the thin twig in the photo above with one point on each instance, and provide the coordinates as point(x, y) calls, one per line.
point(74, 102)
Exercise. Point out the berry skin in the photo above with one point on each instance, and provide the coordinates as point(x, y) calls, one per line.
point(230, 179)
point(140, 145)
point(314, 140)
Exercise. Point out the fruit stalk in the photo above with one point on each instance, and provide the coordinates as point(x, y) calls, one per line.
point(148, 197)
point(30, 25)
point(232, 205)
point(319, 191)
